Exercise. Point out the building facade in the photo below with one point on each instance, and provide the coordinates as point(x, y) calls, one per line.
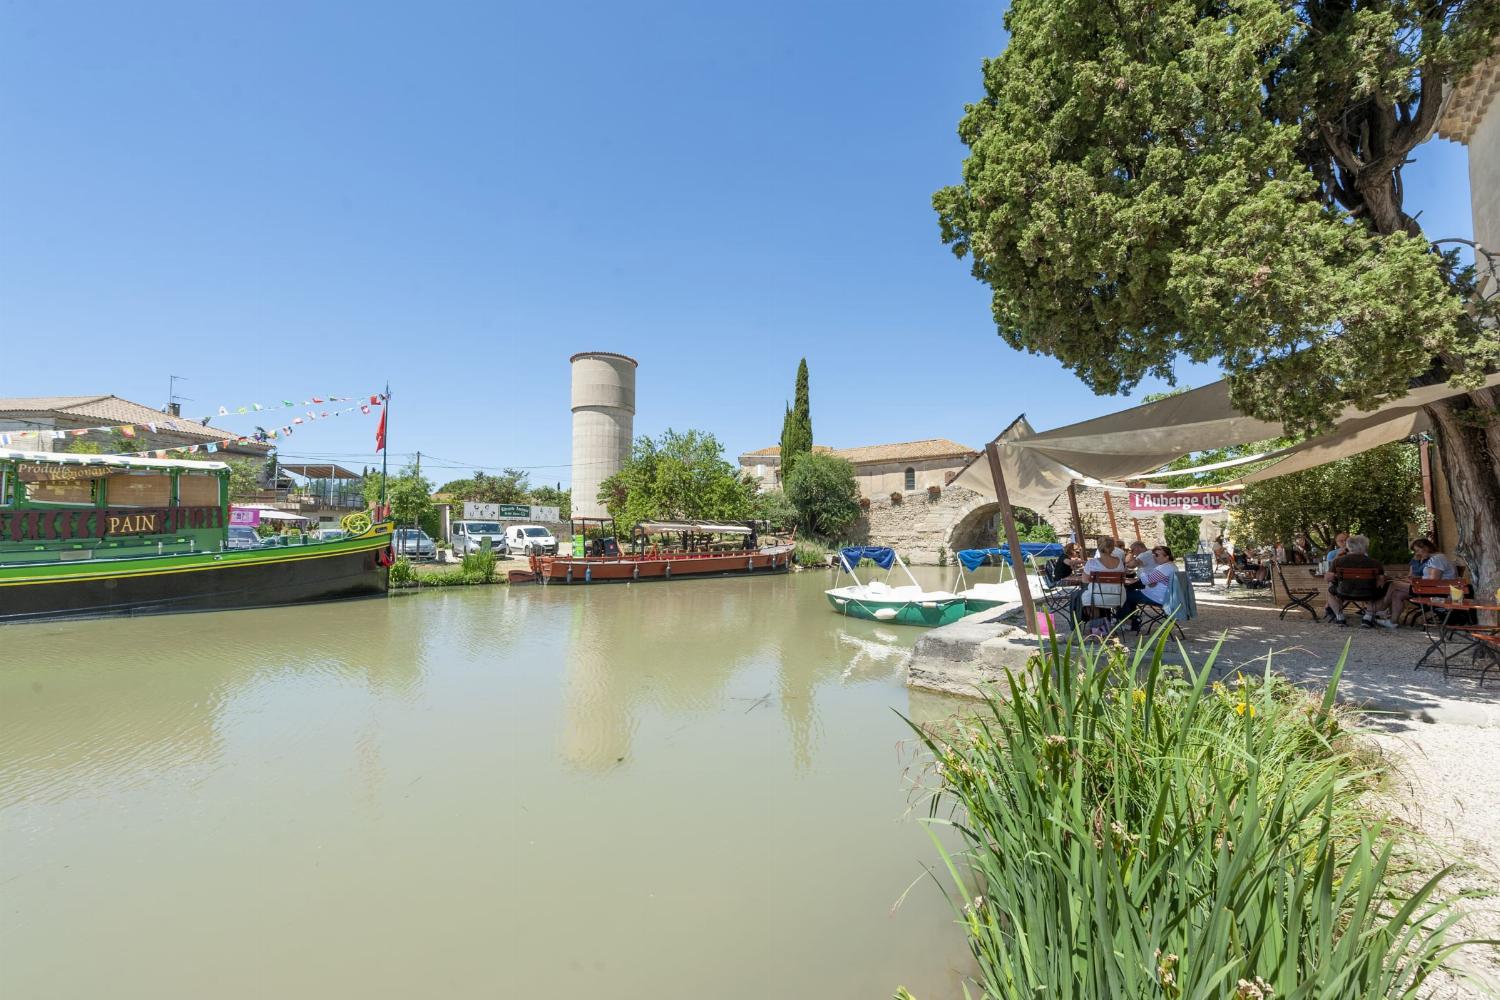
point(879, 469)
point(1471, 115)
point(33, 423)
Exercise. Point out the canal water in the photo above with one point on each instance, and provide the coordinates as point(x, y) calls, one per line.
point(694, 789)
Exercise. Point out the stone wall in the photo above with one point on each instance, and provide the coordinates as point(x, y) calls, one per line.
point(919, 527)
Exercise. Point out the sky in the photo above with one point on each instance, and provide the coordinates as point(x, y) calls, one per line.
point(290, 199)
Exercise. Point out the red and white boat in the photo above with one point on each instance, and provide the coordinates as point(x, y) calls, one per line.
point(699, 550)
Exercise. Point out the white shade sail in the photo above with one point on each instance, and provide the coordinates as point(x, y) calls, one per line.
point(1134, 443)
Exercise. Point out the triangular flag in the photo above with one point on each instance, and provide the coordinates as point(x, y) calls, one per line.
point(151, 428)
point(223, 412)
point(258, 407)
point(296, 420)
point(380, 433)
point(287, 402)
point(213, 447)
point(374, 400)
point(315, 399)
point(242, 410)
point(128, 430)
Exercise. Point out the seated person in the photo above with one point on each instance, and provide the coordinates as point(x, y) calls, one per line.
point(1139, 558)
point(1094, 598)
point(1156, 582)
point(1339, 591)
point(1428, 564)
point(1066, 564)
point(1340, 547)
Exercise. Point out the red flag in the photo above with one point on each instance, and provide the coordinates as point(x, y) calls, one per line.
point(380, 433)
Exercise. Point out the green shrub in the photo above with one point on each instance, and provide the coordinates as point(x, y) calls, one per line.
point(823, 490)
point(480, 564)
point(809, 554)
point(1183, 532)
point(402, 572)
point(447, 578)
point(1128, 834)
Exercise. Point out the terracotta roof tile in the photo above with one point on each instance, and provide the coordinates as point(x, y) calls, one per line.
point(899, 452)
point(109, 410)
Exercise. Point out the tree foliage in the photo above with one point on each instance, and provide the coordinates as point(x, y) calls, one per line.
point(679, 476)
point(796, 426)
point(409, 495)
point(1183, 532)
point(554, 496)
point(1155, 179)
point(825, 494)
point(510, 486)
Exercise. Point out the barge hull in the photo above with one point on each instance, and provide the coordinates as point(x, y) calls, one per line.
point(205, 582)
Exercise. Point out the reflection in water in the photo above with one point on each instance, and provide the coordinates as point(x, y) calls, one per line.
point(689, 789)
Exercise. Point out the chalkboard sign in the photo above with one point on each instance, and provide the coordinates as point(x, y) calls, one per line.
point(1200, 566)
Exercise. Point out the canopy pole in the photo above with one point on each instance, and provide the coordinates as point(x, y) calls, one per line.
point(1109, 505)
point(1008, 518)
point(1077, 520)
point(1137, 522)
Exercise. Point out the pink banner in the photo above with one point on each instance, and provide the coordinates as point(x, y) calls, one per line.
point(247, 516)
point(1168, 502)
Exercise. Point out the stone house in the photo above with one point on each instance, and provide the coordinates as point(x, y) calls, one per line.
point(30, 423)
point(879, 469)
point(1471, 116)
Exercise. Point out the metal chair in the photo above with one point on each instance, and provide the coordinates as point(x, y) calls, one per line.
point(1298, 597)
point(1095, 588)
point(1414, 614)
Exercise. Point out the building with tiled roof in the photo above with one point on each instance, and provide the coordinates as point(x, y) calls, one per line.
point(880, 469)
point(31, 419)
point(1471, 115)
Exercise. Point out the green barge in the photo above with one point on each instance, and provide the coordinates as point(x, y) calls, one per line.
point(89, 535)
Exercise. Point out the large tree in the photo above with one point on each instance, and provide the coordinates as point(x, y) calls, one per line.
point(825, 494)
point(796, 426)
point(1155, 179)
point(679, 476)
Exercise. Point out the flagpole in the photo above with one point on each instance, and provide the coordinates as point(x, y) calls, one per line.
point(385, 449)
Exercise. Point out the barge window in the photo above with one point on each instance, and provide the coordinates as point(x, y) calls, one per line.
point(198, 490)
point(7, 488)
point(63, 491)
point(140, 489)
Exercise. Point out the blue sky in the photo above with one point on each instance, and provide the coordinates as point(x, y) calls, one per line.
point(288, 199)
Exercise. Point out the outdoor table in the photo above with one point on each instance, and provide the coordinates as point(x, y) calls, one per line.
point(1463, 636)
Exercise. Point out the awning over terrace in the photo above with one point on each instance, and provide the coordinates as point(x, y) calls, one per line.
point(1136, 443)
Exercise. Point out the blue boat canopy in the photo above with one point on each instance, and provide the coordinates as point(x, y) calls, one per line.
point(880, 555)
point(972, 559)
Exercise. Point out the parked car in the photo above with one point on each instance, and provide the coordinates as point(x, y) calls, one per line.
point(242, 537)
point(529, 538)
point(414, 543)
point(469, 536)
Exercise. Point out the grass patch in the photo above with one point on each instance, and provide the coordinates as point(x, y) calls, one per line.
point(806, 553)
point(1131, 832)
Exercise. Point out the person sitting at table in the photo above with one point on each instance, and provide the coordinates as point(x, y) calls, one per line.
point(1139, 557)
point(1340, 547)
point(1428, 564)
point(1065, 565)
point(1156, 582)
point(1357, 556)
point(1095, 598)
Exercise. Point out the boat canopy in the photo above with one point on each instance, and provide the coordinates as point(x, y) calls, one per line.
point(699, 527)
point(880, 555)
point(113, 461)
point(972, 559)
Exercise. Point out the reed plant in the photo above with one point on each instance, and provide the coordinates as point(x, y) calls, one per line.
point(1130, 831)
point(806, 553)
point(480, 564)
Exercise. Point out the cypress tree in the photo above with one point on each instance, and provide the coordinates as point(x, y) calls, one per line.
point(796, 425)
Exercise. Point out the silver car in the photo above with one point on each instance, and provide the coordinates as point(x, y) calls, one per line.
point(414, 543)
point(241, 537)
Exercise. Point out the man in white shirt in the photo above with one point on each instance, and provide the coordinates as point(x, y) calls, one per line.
point(1140, 558)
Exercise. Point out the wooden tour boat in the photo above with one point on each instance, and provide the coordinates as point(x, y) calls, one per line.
point(699, 551)
point(87, 535)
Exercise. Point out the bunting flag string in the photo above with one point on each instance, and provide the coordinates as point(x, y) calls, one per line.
point(18, 438)
point(262, 435)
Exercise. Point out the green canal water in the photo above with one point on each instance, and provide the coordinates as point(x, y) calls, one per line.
point(685, 790)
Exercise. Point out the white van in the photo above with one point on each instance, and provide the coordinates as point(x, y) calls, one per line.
point(469, 536)
point(525, 539)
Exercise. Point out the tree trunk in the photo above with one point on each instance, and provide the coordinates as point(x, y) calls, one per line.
point(1467, 429)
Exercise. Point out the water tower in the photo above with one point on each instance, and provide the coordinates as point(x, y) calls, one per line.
point(603, 424)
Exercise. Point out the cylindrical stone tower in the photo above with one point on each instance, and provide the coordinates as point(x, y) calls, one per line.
point(603, 424)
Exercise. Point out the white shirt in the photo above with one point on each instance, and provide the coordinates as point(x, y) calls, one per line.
point(1145, 561)
point(1103, 595)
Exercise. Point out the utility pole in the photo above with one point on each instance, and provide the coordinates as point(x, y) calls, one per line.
point(419, 463)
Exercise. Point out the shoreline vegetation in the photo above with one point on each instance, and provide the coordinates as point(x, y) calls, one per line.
point(477, 569)
point(1130, 830)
